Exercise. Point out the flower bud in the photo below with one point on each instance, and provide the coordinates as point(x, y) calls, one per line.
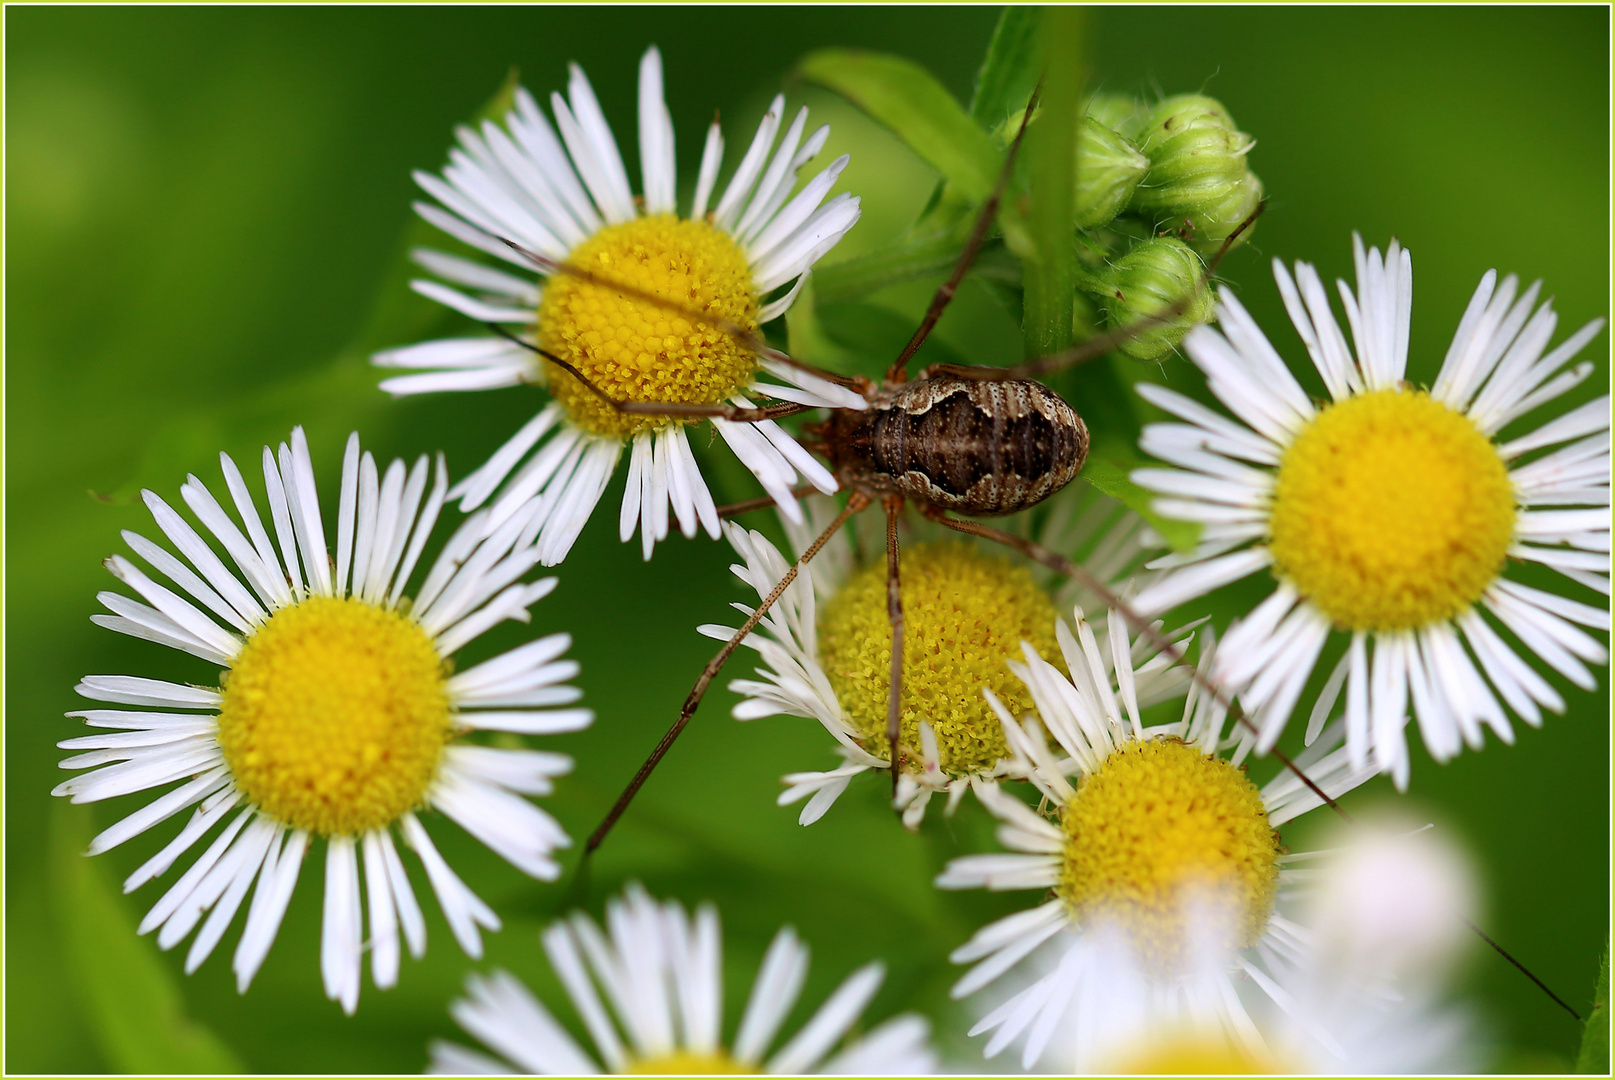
point(1121, 113)
point(1148, 281)
point(1108, 169)
point(1199, 183)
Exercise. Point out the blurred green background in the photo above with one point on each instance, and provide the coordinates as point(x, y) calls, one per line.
point(205, 212)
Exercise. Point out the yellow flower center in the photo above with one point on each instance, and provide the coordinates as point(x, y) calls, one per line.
point(636, 350)
point(689, 1063)
point(1192, 1054)
point(335, 716)
point(1157, 828)
point(1391, 512)
point(965, 614)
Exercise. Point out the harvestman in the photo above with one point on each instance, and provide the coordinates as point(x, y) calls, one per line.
point(958, 439)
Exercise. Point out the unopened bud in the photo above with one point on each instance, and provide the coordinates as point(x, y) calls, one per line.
point(1199, 184)
point(1109, 168)
point(1159, 277)
point(1121, 113)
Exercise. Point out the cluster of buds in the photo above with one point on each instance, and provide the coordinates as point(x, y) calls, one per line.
point(1199, 182)
point(1159, 189)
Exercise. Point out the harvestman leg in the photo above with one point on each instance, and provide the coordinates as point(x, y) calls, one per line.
point(1170, 649)
point(855, 503)
point(978, 236)
point(893, 505)
point(763, 502)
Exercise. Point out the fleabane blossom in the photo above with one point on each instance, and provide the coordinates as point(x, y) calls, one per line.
point(825, 646)
point(682, 329)
point(1380, 919)
point(1164, 879)
point(336, 716)
point(1389, 515)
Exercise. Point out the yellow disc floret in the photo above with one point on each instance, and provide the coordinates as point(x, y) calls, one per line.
point(1391, 511)
point(634, 349)
point(1193, 1054)
point(689, 1063)
point(1161, 827)
point(335, 716)
point(965, 615)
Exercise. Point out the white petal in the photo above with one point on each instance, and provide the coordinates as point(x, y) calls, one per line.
point(834, 1017)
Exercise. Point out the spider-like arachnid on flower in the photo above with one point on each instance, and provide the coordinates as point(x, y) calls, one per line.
point(965, 440)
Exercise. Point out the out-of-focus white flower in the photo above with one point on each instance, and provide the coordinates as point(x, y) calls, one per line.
point(1378, 925)
point(1392, 901)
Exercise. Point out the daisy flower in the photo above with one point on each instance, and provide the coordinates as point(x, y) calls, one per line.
point(1157, 838)
point(568, 199)
point(336, 715)
point(1390, 514)
point(826, 647)
point(661, 973)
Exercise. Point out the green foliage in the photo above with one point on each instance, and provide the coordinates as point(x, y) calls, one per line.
point(1594, 1055)
point(911, 258)
point(129, 994)
point(916, 108)
point(1009, 71)
point(1111, 477)
point(1003, 83)
point(807, 339)
point(1049, 256)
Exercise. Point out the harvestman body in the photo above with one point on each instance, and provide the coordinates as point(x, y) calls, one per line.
point(976, 448)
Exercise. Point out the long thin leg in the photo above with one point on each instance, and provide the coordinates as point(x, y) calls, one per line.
point(750, 339)
point(855, 503)
point(762, 503)
point(658, 408)
point(893, 505)
point(1173, 652)
point(978, 235)
point(1096, 347)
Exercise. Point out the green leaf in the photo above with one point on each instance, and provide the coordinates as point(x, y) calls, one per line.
point(1594, 1055)
point(1110, 477)
point(807, 338)
point(919, 110)
point(131, 1001)
point(1009, 70)
point(1050, 150)
point(907, 259)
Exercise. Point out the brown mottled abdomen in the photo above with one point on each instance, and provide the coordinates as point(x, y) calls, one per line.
point(976, 448)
